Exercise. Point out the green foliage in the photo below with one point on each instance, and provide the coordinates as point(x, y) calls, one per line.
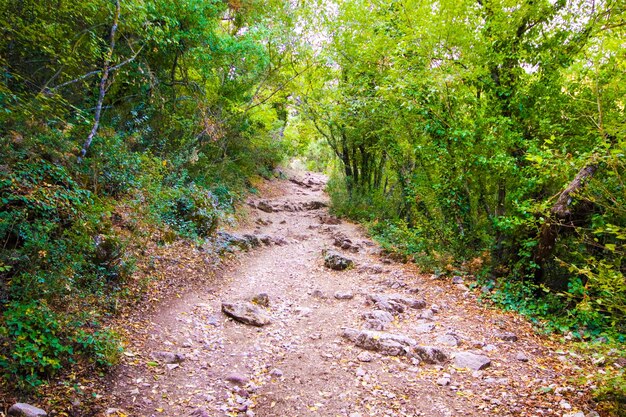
point(190, 211)
point(192, 109)
point(36, 339)
point(491, 130)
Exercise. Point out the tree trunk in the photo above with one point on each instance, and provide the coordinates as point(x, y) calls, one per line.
point(560, 211)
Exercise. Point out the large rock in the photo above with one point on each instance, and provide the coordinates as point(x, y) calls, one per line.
point(26, 410)
point(334, 260)
point(471, 360)
point(377, 319)
point(384, 343)
point(395, 303)
point(430, 354)
point(225, 240)
point(246, 313)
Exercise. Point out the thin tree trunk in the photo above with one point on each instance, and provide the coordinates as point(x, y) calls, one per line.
point(103, 83)
point(560, 211)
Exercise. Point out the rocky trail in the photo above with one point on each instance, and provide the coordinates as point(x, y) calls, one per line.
point(311, 319)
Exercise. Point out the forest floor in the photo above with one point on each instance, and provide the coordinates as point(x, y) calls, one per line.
point(187, 358)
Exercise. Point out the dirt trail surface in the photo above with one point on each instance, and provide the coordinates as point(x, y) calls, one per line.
point(375, 339)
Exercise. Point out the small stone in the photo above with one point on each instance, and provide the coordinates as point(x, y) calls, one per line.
point(430, 354)
point(471, 361)
point(360, 371)
point(426, 315)
point(237, 379)
point(565, 405)
point(457, 280)
point(26, 410)
point(265, 206)
point(443, 381)
point(246, 313)
point(424, 328)
point(355, 414)
point(336, 261)
point(303, 311)
point(507, 336)
point(261, 299)
point(348, 295)
point(365, 357)
point(521, 357)
point(578, 414)
point(489, 348)
point(276, 373)
point(319, 294)
point(199, 412)
point(169, 357)
point(377, 319)
point(448, 340)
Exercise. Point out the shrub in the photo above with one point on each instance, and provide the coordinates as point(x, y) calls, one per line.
point(191, 211)
point(34, 345)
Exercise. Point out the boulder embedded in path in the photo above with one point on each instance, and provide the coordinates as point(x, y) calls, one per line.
point(377, 319)
point(385, 343)
point(395, 303)
point(431, 355)
point(26, 410)
point(336, 261)
point(471, 360)
point(246, 312)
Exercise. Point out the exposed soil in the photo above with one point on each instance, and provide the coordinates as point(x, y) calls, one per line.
point(300, 365)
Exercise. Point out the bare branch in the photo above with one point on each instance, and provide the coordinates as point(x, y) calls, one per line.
point(89, 74)
point(103, 83)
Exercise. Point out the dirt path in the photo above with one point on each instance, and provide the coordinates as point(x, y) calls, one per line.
point(302, 365)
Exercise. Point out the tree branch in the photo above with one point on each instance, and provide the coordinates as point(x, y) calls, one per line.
point(103, 83)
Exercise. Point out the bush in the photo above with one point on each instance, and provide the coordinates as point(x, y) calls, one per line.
point(190, 211)
point(34, 346)
point(37, 342)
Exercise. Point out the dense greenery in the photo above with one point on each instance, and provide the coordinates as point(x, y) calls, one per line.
point(115, 118)
point(475, 137)
point(485, 137)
